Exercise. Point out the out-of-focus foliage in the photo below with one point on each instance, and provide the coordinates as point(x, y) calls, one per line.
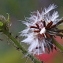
point(18, 10)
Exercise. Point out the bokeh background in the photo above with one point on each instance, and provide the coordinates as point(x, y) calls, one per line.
point(18, 10)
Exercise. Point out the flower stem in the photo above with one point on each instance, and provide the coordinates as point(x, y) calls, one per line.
point(57, 44)
point(20, 47)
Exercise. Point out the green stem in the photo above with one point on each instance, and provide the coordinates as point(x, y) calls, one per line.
point(20, 47)
point(57, 44)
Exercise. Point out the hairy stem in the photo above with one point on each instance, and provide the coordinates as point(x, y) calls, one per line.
point(20, 47)
point(57, 44)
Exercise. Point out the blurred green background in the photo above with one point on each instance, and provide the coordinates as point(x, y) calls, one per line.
point(18, 10)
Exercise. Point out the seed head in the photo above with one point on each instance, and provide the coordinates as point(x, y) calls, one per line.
point(40, 28)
